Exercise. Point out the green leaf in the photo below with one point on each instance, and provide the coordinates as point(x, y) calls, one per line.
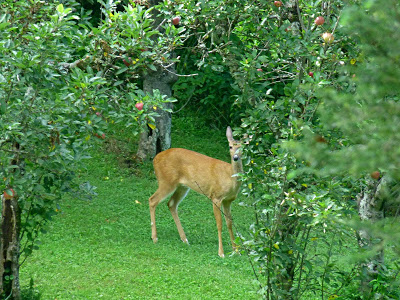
point(152, 67)
point(122, 70)
point(60, 8)
point(291, 175)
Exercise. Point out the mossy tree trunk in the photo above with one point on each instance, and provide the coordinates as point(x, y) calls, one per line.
point(153, 141)
point(370, 209)
point(9, 249)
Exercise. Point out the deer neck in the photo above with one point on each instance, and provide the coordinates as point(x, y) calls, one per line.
point(237, 167)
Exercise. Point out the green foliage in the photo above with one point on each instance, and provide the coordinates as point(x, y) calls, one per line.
point(209, 92)
point(296, 211)
point(43, 123)
point(366, 119)
point(126, 44)
point(269, 53)
point(63, 81)
point(208, 88)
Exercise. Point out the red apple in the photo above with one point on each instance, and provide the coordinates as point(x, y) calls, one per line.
point(320, 139)
point(9, 193)
point(103, 136)
point(126, 62)
point(375, 175)
point(328, 37)
point(260, 70)
point(319, 20)
point(176, 20)
point(139, 105)
point(278, 3)
point(311, 74)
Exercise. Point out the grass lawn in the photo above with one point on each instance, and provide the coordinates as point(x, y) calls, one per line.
point(101, 248)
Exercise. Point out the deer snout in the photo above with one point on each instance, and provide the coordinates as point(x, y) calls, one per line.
point(236, 157)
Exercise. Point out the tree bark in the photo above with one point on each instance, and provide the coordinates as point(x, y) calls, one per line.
point(9, 249)
point(287, 232)
point(154, 141)
point(370, 209)
point(157, 140)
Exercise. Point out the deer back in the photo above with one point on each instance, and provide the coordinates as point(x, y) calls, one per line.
point(206, 175)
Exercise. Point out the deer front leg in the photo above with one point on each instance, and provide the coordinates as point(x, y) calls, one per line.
point(228, 219)
point(218, 219)
point(162, 192)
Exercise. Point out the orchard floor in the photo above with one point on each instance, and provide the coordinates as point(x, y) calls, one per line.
point(101, 248)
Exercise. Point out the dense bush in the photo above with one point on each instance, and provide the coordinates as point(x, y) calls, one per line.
point(61, 81)
point(280, 59)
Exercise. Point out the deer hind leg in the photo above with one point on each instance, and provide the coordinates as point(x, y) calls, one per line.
point(228, 218)
point(218, 219)
point(173, 203)
point(162, 192)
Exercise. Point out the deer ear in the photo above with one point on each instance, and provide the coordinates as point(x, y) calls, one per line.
point(229, 135)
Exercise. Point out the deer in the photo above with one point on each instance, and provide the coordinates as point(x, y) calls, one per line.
point(179, 170)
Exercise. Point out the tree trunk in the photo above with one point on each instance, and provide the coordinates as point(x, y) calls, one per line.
point(370, 209)
point(154, 141)
point(9, 249)
point(285, 279)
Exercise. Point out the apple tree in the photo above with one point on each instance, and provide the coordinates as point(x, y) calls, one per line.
point(48, 113)
point(300, 47)
point(62, 81)
point(368, 121)
point(133, 46)
point(277, 55)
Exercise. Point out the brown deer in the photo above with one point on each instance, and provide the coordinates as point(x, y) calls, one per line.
point(178, 170)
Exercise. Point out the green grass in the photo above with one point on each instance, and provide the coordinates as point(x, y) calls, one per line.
point(101, 249)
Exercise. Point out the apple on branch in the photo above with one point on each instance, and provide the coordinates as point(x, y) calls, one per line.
point(328, 37)
point(9, 194)
point(127, 62)
point(176, 20)
point(278, 3)
point(319, 20)
point(139, 105)
point(375, 175)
